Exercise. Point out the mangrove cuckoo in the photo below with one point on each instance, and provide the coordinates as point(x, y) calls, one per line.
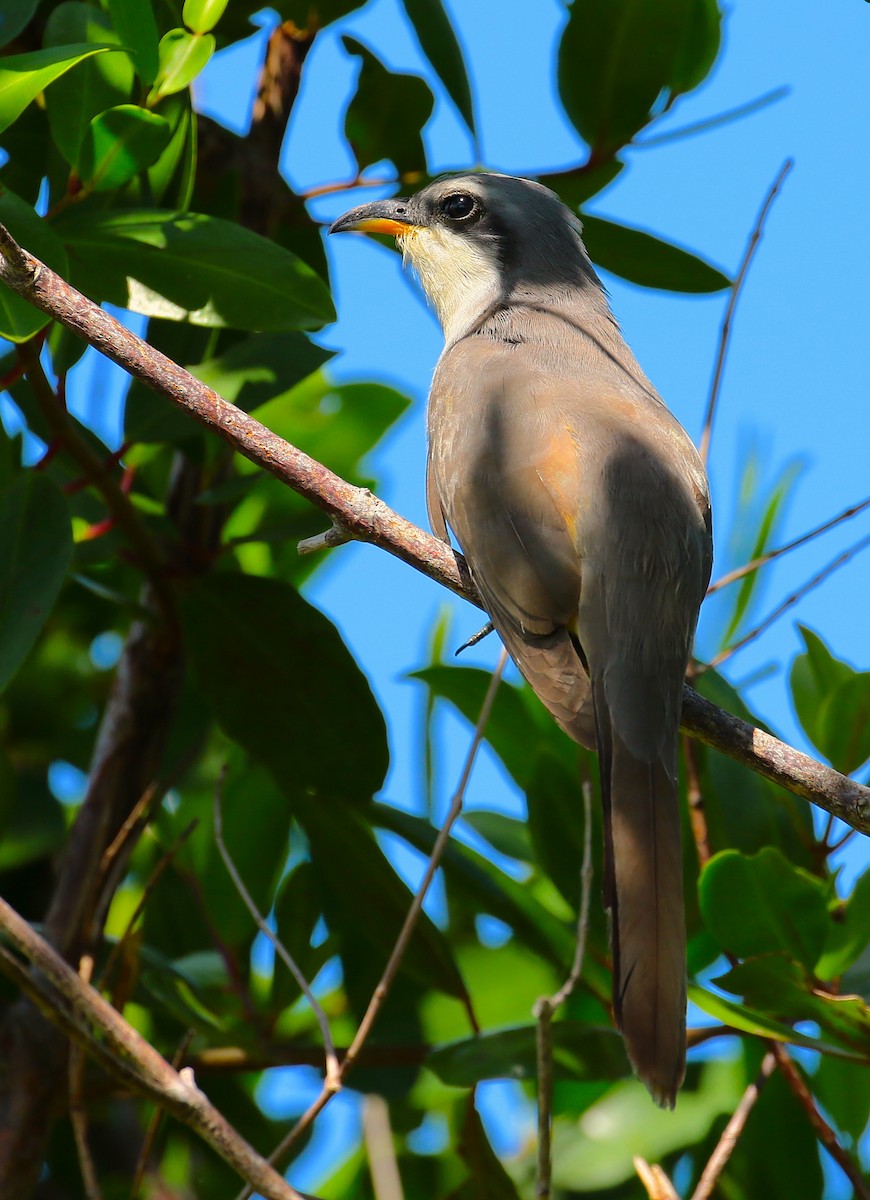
point(582, 508)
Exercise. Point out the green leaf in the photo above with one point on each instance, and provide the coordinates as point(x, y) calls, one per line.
point(773, 984)
point(555, 819)
point(24, 76)
point(284, 686)
point(249, 373)
point(814, 676)
point(182, 56)
point(579, 1052)
point(761, 904)
point(35, 554)
point(97, 85)
point(202, 15)
point(433, 28)
point(136, 28)
point(848, 932)
point(843, 723)
point(580, 184)
point(772, 510)
point(14, 16)
point(119, 143)
point(385, 118)
point(618, 57)
point(749, 1020)
point(505, 834)
point(843, 1090)
point(18, 319)
point(34, 825)
point(487, 1177)
point(191, 267)
point(641, 258)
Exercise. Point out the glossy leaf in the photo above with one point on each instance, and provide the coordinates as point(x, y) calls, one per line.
point(202, 15)
point(761, 904)
point(182, 55)
point(14, 16)
point(98, 84)
point(814, 676)
point(190, 267)
point(617, 57)
point(35, 553)
point(848, 932)
point(284, 685)
point(137, 30)
point(435, 31)
point(579, 1052)
point(843, 723)
point(119, 143)
point(641, 258)
point(18, 319)
point(24, 76)
point(385, 118)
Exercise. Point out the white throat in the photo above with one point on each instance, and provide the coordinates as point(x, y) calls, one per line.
point(460, 279)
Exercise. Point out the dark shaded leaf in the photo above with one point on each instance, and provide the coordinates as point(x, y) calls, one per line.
point(284, 686)
point(505, 834)
point(618, 57)
point(579, 1052)
point(433, 28)
point(848, 932)
point(487, 1178)
point(137, 30)
point(190, 267)
point(119, 143)
point(385, 118)
point(34, 825)
point(761, 904)
point(555, 805)
point(641, 258)
point(14, 15)
point(581, 184)
point(18, 319)
point(35, 553)
point(777, 1156)
point(843, 1090)
point(24, 76)
point(96, 85)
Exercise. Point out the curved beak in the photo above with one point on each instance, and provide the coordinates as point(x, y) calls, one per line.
point(381, 216)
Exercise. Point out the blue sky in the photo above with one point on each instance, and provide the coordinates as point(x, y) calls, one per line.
point(795, 388)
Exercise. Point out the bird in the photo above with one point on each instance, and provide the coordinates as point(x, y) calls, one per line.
point(582, 508)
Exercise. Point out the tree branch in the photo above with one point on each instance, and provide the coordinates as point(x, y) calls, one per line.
point(368, 519)
point(87, 1018)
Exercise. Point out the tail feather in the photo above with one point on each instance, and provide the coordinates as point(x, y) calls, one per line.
point(643, 888)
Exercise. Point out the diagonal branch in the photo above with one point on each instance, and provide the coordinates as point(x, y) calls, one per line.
point(93, 1023)
point(366, 518)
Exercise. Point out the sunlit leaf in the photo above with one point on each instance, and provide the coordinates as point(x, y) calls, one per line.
point(191, 267)
point(119, 143)
point(24, 76)
point(182, 55)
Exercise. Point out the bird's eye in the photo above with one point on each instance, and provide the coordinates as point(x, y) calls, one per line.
point(459, 206)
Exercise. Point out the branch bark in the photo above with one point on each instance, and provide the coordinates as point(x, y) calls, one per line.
point(365, 518)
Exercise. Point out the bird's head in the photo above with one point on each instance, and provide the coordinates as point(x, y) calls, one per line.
point(478, 240)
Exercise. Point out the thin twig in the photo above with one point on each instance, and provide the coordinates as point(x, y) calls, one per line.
point(654, 1180)
point(372, 521)
point(762, 560)
point(822, 1129)
point(736, 288)
point(547, 1006)
point(726, 118)
point(732, 1131)
point(332, 1067)
point(695, 796)
point(381, 1150)
point(788, 603)
point(77, 1113)
point(88, 1019)
point(383, 987)
point(155, 1123)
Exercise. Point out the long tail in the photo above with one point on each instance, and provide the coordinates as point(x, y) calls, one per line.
point(643, 888)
